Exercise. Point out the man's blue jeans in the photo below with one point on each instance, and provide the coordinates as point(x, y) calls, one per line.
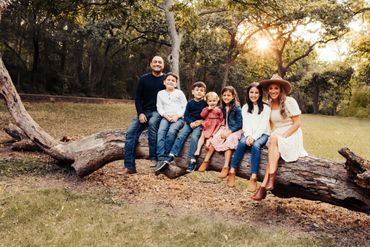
point(255, 152)
point(181, 138)
point(167, 133)
point(133, 134)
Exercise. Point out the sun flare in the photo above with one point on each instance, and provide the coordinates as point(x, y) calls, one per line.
point(263, 43)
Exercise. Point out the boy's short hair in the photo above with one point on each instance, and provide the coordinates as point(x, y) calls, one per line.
point(199, 84)
point(171, 74)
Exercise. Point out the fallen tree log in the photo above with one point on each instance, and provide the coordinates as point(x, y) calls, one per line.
point(345, 185)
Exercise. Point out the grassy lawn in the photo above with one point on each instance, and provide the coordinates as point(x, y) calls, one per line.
point(58, 216)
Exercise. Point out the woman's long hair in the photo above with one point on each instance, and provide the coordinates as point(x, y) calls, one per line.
point(259, 101)
point(235, 101)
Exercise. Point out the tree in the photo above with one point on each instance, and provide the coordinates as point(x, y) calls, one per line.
point(280, 21)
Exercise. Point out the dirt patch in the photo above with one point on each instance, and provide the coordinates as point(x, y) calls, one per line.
point(205, 194)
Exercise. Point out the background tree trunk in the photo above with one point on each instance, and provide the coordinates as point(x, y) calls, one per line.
point(176, 38)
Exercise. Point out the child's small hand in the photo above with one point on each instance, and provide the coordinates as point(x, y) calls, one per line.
point(174, 119)
point(210, 107)
point(250, 141)
point(226, 134)
point(193, 125)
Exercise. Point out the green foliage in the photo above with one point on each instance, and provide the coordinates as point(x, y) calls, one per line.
point(359, 104)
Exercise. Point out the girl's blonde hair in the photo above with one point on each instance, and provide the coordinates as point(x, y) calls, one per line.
point(212, 95)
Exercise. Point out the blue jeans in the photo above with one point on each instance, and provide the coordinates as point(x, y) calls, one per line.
point(167, 133)
point(133, 134)
point(181, 138)
point(255, 153)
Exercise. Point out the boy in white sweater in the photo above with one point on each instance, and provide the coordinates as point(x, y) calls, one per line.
point(171, 104)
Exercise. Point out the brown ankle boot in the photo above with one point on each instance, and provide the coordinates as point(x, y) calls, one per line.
point(224, 172)
point(252, 185)
point(260, 194)
point(231, 179)
point(271, 182)
point(203, 166)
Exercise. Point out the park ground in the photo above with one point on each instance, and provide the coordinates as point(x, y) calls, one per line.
point(42, 204)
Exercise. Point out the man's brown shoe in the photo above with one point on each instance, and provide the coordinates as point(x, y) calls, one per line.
point(252, 185)
point(231, 179)
point(203, 166)
point(224, 172)
point(127, 171)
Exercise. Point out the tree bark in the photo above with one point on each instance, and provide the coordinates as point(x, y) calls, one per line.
point(176, 37)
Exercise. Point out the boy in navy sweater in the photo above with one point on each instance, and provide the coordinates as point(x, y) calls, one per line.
point(193, 124)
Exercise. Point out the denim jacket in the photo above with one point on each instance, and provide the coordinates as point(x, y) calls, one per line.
point(234, 119)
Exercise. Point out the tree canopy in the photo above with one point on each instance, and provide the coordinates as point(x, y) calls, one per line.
point(100, 48)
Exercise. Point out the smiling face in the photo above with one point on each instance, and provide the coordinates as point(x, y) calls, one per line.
point(254, 95)
point(170, 83)
point(157, 65)
point(227, 97)
point(274, 91)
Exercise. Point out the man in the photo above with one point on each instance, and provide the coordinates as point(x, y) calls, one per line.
point(147, 116)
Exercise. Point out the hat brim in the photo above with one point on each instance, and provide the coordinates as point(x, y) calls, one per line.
point(283, 83)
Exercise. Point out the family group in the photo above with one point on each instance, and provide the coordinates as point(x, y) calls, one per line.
point(218, 123)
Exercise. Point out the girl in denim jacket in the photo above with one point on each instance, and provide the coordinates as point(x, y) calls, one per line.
point(227, 137)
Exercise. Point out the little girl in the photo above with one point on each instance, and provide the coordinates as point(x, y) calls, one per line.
point(256, 131)
point(227, 137)
point(213, 119)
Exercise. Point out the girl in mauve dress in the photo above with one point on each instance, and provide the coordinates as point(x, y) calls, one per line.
point(227, 137)
point(213, 119)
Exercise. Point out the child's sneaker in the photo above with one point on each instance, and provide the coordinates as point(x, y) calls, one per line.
point(171, 157)
point(191, 166)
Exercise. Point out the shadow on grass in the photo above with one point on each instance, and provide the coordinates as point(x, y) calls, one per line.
point(11, 167)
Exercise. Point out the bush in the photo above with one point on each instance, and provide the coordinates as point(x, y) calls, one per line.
point(359, 105)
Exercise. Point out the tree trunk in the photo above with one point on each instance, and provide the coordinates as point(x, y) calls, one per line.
point(176, 37)
point(316, 93)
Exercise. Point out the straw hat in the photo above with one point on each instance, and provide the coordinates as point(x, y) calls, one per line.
point(276, 79)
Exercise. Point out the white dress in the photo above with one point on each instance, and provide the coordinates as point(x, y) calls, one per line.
point(290, 148)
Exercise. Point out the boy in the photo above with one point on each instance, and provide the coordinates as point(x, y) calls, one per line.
point(171, 104)
point(193, 122)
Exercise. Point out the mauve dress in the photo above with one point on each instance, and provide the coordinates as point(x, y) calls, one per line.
point(213, 119)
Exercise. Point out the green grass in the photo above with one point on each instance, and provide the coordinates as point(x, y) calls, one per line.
point(323, 135)
point(59, 217)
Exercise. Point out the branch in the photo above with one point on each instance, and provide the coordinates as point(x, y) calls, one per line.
point(309, 50)
point(211, 11)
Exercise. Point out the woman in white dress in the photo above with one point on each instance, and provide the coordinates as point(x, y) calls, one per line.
point(286, 140)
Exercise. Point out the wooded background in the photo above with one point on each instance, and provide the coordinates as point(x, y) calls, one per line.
point(101, 47)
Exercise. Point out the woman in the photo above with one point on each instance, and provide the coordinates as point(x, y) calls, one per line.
point(286, 140)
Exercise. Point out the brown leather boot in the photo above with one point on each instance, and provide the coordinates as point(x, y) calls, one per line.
point(203, 166)
point(224, 172)
point(271, 182)
point(260, 194)
point(252, 185)
point(231, 179)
